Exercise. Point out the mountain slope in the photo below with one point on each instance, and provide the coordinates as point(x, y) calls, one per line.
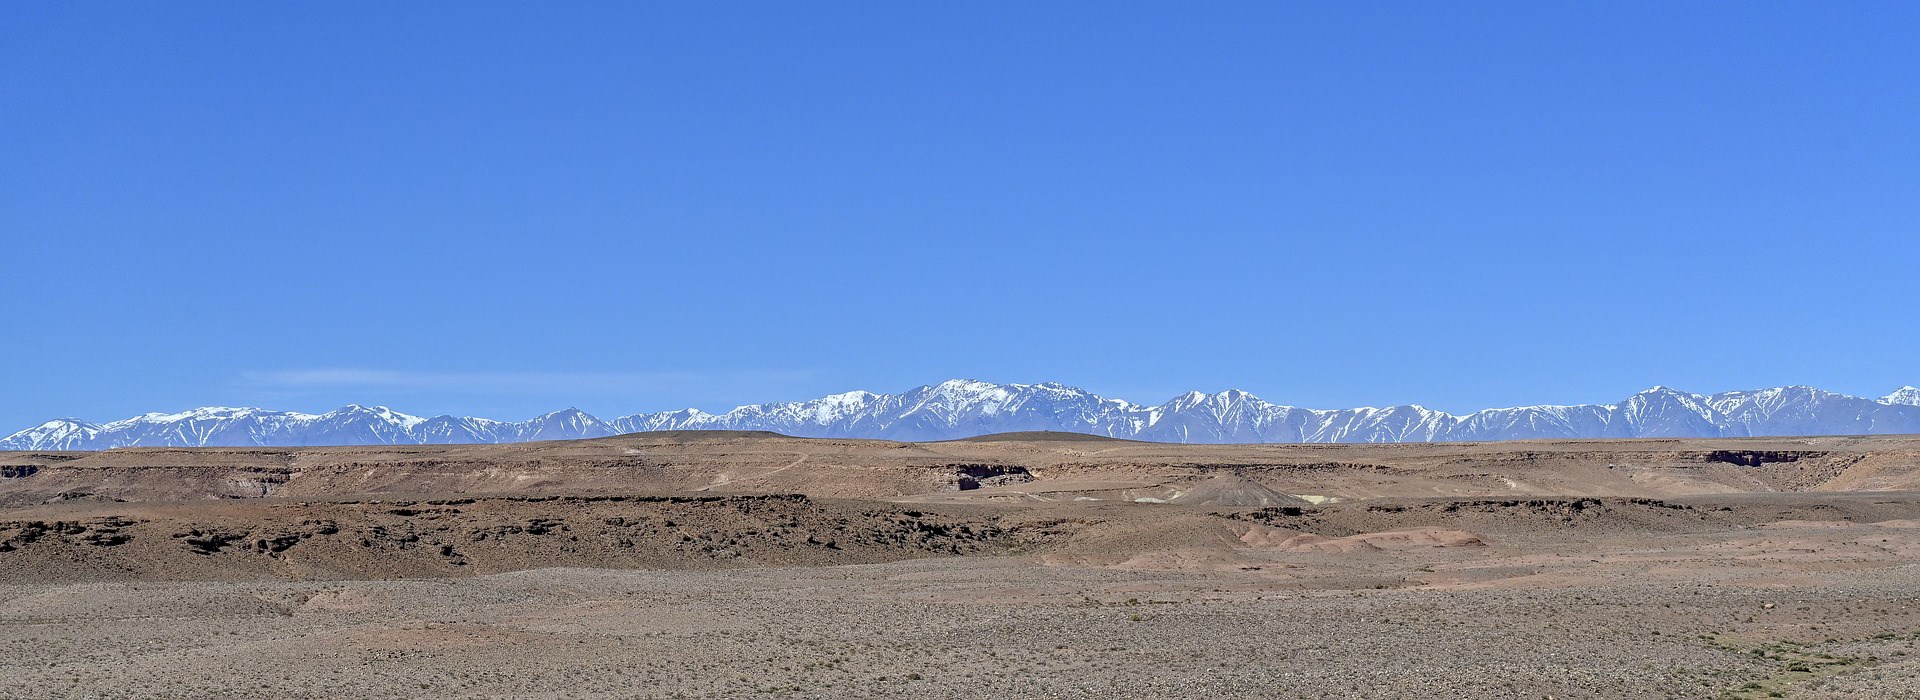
point(966, 408)
point(1905, 396)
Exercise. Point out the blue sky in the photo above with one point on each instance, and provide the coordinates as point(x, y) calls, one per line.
point(503, 209)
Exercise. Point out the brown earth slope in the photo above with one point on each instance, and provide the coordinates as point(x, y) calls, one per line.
point(1014, 467)
point(736, 564)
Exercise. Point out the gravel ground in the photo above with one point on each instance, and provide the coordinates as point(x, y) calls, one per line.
point(952, 628)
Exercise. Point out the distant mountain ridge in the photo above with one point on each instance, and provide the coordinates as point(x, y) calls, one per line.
point(966, 408)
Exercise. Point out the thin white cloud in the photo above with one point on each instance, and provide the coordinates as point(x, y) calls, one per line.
point(514, 382)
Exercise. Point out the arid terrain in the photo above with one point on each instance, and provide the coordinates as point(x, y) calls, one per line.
point(728, 564)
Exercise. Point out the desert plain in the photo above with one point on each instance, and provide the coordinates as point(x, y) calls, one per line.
point(733, 564)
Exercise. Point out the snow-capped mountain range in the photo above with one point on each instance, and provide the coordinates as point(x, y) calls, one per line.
point(965, 408)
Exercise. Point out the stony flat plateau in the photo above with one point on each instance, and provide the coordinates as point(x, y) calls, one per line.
point(732, 564)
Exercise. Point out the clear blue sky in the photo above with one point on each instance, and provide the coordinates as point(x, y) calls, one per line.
point(503, 209)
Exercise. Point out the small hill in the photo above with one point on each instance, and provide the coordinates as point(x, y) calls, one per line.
point(1230, 490)
point(1041, 436)
point(686, 436)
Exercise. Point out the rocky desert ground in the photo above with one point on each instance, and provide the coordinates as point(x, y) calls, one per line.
point(723, 564)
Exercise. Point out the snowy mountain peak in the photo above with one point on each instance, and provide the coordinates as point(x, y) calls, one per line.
point(972, 387)
point(1904, 396)
point(564, 424)
point(567, 416)
point(1234, 396)
point(377, 412)
point(848, 401)
point(202, 413)
point(56, 434)
point(964, 407)
point(1191, 398)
